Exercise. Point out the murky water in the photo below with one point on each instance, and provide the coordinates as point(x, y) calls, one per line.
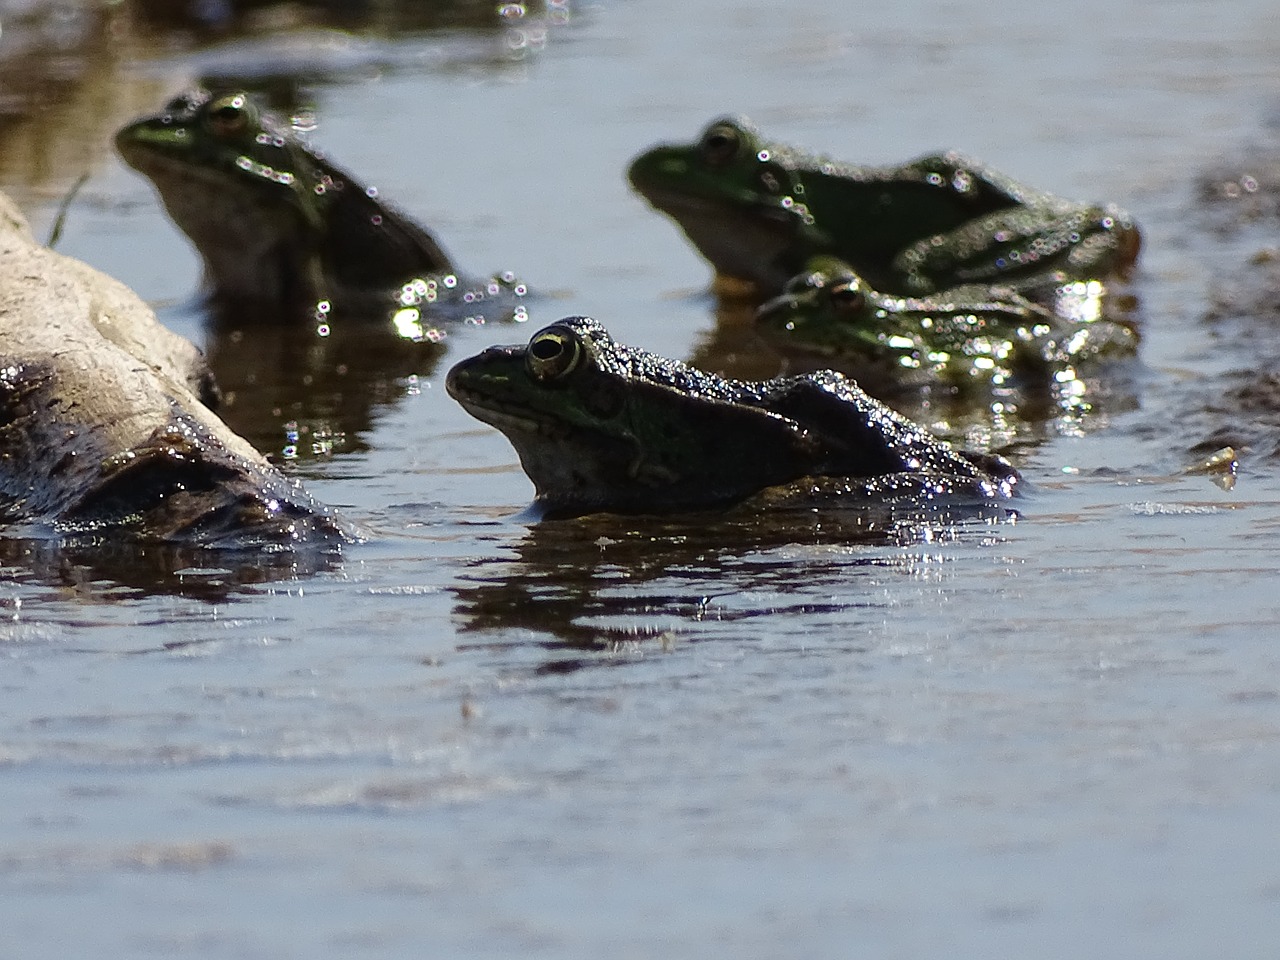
point(1057, 736)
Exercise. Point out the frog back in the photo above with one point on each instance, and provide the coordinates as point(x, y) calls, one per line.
point(869, 214)
point(367, 244)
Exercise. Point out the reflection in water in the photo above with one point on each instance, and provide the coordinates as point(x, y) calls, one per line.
point(72, 73)
point(104, 570)
point(29, 76)
point(1238, 208)
point(62, 96)
point(327, 40)
point(600, 583)
point(293, 392)
point(733, 348)
point(372, 15)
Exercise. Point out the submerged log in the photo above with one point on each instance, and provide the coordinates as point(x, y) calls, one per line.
point(103, 431)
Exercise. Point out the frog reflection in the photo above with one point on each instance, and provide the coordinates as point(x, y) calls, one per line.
point(605, 583)
point(312, 392)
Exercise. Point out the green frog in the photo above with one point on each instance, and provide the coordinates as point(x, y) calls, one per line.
point(277, 224)
point(366, 296)
point(600, 426)
point(758, 210)
point(967, 339)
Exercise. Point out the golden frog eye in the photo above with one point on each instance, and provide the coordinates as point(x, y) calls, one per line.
point(553, 354)
point(720, 144)
point(847, 296)
point(229, 116)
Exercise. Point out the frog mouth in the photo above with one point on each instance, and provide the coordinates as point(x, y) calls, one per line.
point(176, 175)
point(500, 416)
point(670, 201)
point(506, 417)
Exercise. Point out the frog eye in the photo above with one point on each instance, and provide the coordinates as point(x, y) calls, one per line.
point(847, 296)
point(720, 144)
point(229, 116)
point(553, 354)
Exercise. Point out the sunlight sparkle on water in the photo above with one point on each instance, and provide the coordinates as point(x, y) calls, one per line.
point(1080, 301)
point(303, 121)
point(408, 323)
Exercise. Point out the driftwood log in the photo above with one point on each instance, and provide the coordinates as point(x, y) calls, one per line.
point(103, 428)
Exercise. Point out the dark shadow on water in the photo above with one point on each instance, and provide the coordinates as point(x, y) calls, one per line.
point(300, 385)
point(302, 389)
point(732, 348)
point(602, 583)
point(107, 569)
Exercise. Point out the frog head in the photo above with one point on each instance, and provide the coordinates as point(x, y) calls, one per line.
point(735, 196)
point(273, 221)
point(826, 310)
point(248, 195)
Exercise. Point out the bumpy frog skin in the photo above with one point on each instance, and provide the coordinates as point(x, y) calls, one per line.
point(273, 221)
point(758, 210)
point(968, 338)
point(599, 426)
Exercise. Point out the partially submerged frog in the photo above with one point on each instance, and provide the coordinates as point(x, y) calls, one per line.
point(279, 225)
point(758, 210)
point(365, 294)
point(600, 426)
point(966, 339)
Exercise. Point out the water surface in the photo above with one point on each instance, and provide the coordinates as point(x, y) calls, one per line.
point(1054, 735)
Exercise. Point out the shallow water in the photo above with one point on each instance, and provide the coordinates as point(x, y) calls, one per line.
point(1055, 734)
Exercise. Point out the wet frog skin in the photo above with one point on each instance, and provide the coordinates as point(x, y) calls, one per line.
point(600, 426)
point(274, 222)
point(758, 210)
point(970, 340)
